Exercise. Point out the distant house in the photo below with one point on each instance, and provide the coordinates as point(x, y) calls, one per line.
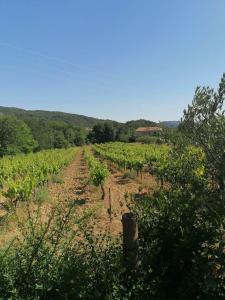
point(142, 131)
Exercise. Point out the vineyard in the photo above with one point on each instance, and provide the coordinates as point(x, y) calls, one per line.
point(112, 179)
point(160, 161)
point(100, 183)
point(20, 175)
point(132, 156)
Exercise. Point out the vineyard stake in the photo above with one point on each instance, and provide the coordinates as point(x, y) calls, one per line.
point(130, 241)
point(162, 181)
point(110, 206)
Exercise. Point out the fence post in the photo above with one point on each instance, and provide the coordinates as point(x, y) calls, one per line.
point(110, 205)
point(130, 241)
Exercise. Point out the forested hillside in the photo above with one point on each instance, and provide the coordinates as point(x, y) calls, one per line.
point(72, 119)
point(28, 134)
point(24, 131)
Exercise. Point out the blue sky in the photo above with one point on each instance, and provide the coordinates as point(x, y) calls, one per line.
point(116, 59)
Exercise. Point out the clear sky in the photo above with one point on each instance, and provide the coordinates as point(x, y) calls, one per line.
point(116, 59)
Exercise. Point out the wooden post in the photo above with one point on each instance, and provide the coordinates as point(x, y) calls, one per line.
point(130, 241)
point(162, 181)
point(110, 206)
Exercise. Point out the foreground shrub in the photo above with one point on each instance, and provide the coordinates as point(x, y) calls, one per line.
point(58, 259)
point(182, 246)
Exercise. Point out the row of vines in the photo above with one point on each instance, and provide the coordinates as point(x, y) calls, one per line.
point(20, 175)
point(131, 156)
point(159, 160)
point(98, 170)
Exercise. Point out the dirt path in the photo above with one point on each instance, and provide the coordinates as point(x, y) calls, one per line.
point(75, 183)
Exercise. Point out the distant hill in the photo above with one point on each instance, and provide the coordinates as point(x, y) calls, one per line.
point(73, 119)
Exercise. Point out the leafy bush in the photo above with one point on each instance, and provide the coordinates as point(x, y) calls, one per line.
point(182, 244)
point(58, 260)
point(182, 166)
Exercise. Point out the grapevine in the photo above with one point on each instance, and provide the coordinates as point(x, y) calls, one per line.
point(98, 171)
point(160, 160)
point(21, 174)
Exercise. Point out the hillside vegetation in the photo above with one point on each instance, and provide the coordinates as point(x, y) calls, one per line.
point(24, 131)
point(71, 119)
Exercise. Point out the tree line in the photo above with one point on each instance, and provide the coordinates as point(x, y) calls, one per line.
point(19, 136)
point(32, 134)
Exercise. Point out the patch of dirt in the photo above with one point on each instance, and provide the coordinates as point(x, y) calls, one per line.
point(75, 187)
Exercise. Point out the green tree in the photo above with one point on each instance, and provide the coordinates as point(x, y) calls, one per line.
point(15, 136)
point(108, 132)
point(75, 136)
point(79, 137)
point(96, 135)
point(204, 125)
point(42, 132)
point(102, 133)
point(60, 141)
point(69, 134)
